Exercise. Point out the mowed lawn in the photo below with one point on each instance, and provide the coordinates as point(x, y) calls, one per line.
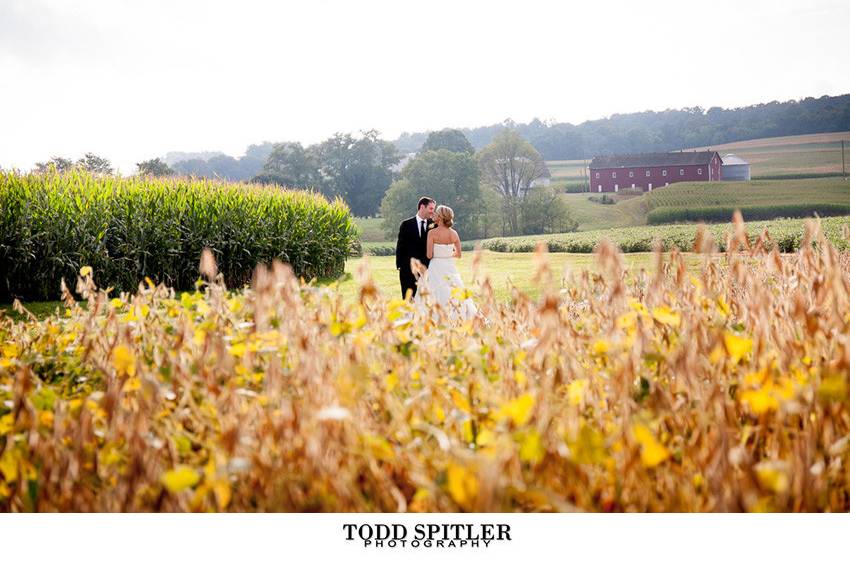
point(504, 269)
point(594, 216)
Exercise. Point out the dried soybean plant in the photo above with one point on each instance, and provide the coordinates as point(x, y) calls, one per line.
point(721, 387)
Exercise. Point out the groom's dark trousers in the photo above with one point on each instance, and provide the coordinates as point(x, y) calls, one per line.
point(410, 245)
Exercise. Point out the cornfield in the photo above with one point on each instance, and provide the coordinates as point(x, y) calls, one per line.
point(721, 388)
point(128, 228)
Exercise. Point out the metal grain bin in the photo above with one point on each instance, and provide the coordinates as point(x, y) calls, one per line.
point(734, 168)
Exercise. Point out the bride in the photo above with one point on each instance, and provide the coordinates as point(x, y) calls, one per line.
point(442, 281)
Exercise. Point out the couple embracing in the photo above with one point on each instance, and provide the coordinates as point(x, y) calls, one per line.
point(430, 239)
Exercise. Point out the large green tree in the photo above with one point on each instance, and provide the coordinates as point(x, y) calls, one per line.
point(448, 138)
point(61, 164)
point(290, 165)
point(509, 165)
point(95, 164)
point(545, 212)
point(154, 168)
point(449, 178)
point(357, 169)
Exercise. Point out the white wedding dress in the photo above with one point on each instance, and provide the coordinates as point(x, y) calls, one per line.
point(440, 280)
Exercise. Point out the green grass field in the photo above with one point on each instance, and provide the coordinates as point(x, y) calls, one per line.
point(594, 216)
point(567, 170)
point(791, 155)
point(370, 229)
point(503, 269)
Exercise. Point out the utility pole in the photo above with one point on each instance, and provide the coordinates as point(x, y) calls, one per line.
point(843, 168)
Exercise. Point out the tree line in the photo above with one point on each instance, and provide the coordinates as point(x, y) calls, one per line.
point(667, 130)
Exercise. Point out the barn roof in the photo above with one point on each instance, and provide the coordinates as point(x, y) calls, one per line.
point(652, 159)
point(732, 159)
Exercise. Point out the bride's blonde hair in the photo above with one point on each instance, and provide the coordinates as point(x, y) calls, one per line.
point(446, 215)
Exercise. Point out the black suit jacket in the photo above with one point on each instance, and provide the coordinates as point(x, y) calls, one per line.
point(410, 244)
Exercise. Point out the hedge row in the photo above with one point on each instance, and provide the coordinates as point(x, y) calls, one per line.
point(786, 235)
point(130, 228)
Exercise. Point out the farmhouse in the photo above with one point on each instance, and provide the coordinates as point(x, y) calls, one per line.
point(646, 171)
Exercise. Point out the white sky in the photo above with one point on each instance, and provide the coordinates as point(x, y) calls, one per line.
point(131, 80)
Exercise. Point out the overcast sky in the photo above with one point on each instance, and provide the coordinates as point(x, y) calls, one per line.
point(131, 80)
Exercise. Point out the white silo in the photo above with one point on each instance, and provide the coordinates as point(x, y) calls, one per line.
point(734, 168)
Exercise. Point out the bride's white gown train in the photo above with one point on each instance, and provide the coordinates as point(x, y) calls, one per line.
point(439, 281)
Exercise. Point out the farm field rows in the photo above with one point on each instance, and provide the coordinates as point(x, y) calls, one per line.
point(713, 202)
point(790, 155)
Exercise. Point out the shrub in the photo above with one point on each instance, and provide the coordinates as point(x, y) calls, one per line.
point(785, 235)
point(128, 228)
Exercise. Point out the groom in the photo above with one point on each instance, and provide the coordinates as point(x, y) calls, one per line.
point(412, 239)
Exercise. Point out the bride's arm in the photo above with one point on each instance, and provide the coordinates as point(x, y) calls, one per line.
point(457, 245)
point(430, 246)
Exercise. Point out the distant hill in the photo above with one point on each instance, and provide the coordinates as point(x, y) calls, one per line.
point(667, 130)
point(173, 157)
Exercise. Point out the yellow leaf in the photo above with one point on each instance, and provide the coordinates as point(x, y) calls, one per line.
point(6, 424)
point(85, 270)
point(124, 360)
point(627, 321)
point(180, 478)
point(485, 437)
point(520, 377)
point(576, 390)
point(238, 350)
point(737, 347)
point(531, 448)
point(222, 491)
point(461, 484)
point(132, 384)
point(45, 419)
point(519, 357)
point(773, 476)
point(665, 315)
point(652, 452)
point(759, 401)
point(519, 410)
point(379, 447)
point(438, 415)
point(460, 401)
point(391, 381)
point(600, 347)
point(9, 465)
point(588, 447)
point(339, 328)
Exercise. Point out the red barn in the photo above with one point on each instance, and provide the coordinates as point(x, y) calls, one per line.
point(647, 171)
